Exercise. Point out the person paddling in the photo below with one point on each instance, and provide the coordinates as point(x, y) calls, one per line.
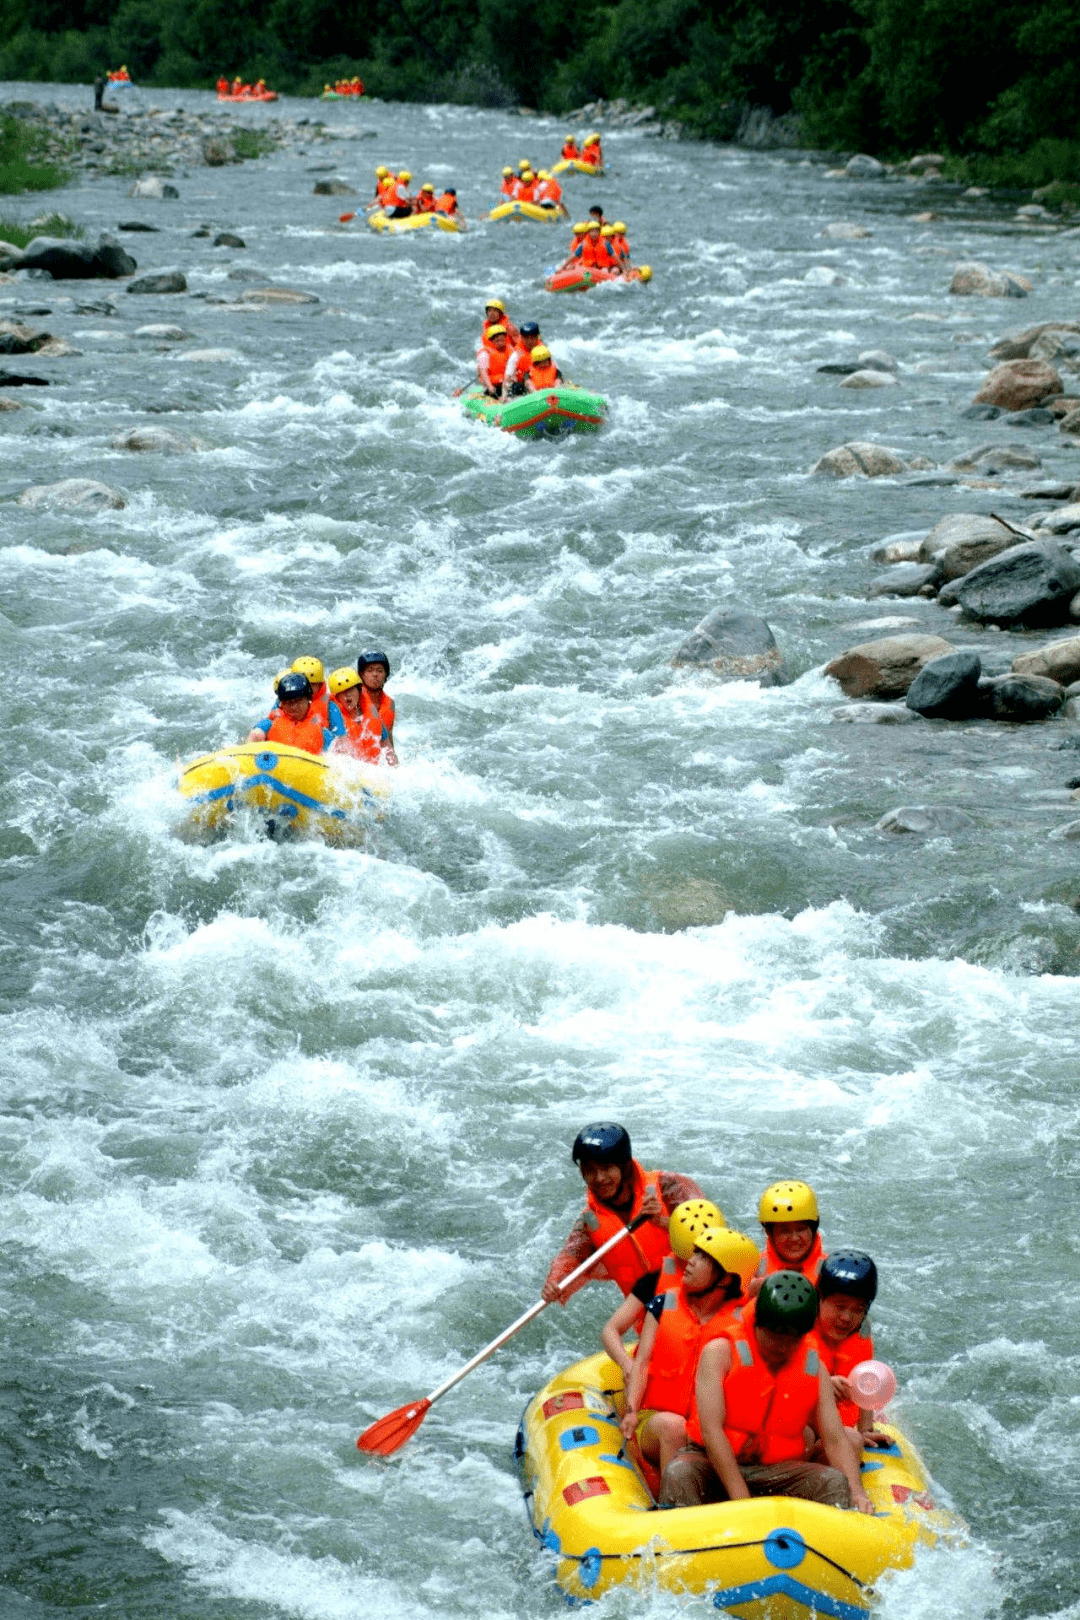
point(570, 148)
point(618, 1191)
point(398, 199)
point(492, 359)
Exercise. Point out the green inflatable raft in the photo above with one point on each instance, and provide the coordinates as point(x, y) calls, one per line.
point(549, 413)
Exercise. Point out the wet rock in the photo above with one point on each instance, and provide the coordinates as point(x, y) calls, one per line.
point(22, 379)
point(152, 185)
point(981, 413)
point(735, 644)
point(1068, 833)
point(137, 225)
point(874, 714)
point(1022, 698)
point(878, 360)
point(69, 260)
point(163, 281)
point(1062, 404)
point(1037, 416)
point(839, 368)
point(899, 548)
point(844, 231)
point(277, 295)
point(10, 256)
point(229, 239)
point(1057, 661)
point(80, 493)
point(163, 332)
point(1018, 345)
point(869, 379)
point(333, 188)
point(860, 459)
point(162, 440)
point(1055, 345)
point(18, 339)
point(947, 688)
point(994, 458)
point(925, 161)
point(863, 167)
point(907, 579)
point(1032, 583)
point(57, 349)
point(9, 404)
point(962, 541)
point(203, 231)
point(885, 668)
point(925, 818)
point(1070, 423)
point(1017, 385)
point(1064, 521)
point(974, 280)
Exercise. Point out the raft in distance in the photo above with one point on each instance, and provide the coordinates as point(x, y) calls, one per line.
point(548, 413)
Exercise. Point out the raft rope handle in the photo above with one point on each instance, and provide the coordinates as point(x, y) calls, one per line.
point(730, 1546)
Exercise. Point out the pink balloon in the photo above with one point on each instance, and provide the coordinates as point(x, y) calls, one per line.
point(874, 1384)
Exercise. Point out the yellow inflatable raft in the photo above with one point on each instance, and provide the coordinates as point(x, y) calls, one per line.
point(327, 795)
point(769, 1558)
point(414, 222)
point(526, 210)
point(575, 166)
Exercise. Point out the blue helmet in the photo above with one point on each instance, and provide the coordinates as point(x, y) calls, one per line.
point(849, 1271)
point(602, 1143)
point(367, 658)
point(293, 685)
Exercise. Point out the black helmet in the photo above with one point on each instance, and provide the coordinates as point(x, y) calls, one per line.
point(602, 1143)
point(529, 329)
point(367, 658)
point(849, 1271)
point(787, 1303)
point(293, 685)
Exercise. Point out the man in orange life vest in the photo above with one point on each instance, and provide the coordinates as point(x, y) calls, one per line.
point(847, 1287)
point(789, 1213)
point(680, 1322)
point(757, 1390)
point(685, 1224)
point(367, 712)
point(618, 1191)
point(294, 725)
point(570, 148)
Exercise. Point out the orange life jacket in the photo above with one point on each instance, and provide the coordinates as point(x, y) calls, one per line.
point(644, 1250)
point(592, 255)
point(384, 190)
point(765, 1413)
point(508, 185)
point(771, 1261)
point(398, 196)
point(591, 154)
point(620, 245)
point(366, 731)
point(839, 1362)
point(306, 733)
point(446, 204)
point(545, 376)
point(527, 191)
point(320, 705)
point(497, 362)
point(570, 150)
point(549, 191)
point(680, 1338)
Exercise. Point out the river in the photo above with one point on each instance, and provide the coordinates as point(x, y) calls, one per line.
point(286, 1129)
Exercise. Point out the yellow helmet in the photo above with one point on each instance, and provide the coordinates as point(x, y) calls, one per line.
point(645, 272)
point(525, 163)
point(312, 668)
point(495, 303)
point(404, 174)
point(737, 1253)
point(278, 676)
point(527, 174)
point(593, 137)
point(341, 679)
point(507, 170)
point(543, 174)
point(569, 137)
point(785, 1200)
point(496, 331)
point(581, 227)
point(619, 227)
point(427, 186)
point(607, 230)
point(686, 1223)
point(540, 354)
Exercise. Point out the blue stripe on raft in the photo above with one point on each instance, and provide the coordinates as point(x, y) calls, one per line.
point(246, 783)
point(814, 1602)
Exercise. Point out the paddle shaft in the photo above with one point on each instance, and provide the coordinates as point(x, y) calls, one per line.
point(534, 1310)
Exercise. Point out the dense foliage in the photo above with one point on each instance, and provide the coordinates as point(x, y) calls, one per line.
point(994, 78)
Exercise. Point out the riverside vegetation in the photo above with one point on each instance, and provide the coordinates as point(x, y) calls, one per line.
point(992, 87)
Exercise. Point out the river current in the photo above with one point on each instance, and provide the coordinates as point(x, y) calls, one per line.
point(286, 1129)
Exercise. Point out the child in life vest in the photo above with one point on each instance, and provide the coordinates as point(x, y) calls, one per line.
point(789, 1213)
point(680, 1321)
point(847, 1287)
point(687, 1221)
point(293, 724)
point(367, 712)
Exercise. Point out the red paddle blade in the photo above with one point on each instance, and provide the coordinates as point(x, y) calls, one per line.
point(343, 219)
point(388, 1434)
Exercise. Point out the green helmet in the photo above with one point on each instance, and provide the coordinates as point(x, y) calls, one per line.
point(787, 1303)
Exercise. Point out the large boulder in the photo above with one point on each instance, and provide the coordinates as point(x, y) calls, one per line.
point(735, 644)
point(83, 494)
point(947, 688)
point(1018, 345)
point(69, 260)
point(1017, 385)
point(864, 167)
point(974, 280)
point(860, 459)
point(163, 281)
point(1028, 584)
point(1021, 697)
point(963, 540)
point(885, 668)
point(1058, 661)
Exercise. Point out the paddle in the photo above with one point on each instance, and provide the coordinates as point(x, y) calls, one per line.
point(388, 1434)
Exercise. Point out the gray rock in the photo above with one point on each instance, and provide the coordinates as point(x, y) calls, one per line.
point(277, 295)
point(838, 368)
point(152, 185)
point(1037, 416)
point(863, 167)
point(1063, 521)
point(80, 493)
point(163, 332)
point(1058, 661)
point(860, 459)
point(885, 668)
point(10, 256)
point(947, 688)
point(138, 225)
point(18, 339)
point(229, 239)
point(158, 439)
point(874, 714)
point(981, 413)
point(869, 378)
point(1023, 698)
point(992, 458)
point(1027, 584)
point(1070, 422)
point(163, 281)
point(906, 579)
point(1068, 833)
point(924, 161)
point(1018, 345)
point(963, 540)
point(898, 548)
point(925, 818)
point(735, 644)
point(333, 188)
point(878, 360)
point(68, 260)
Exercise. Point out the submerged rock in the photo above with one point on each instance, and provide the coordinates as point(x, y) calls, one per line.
point(162, 281)
point(887, 667)
point(924, 818)
point(869, 378)
point(333, 188)
point(735, 644)
point(84, 493)
point(229, 239)
point(159, 439)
